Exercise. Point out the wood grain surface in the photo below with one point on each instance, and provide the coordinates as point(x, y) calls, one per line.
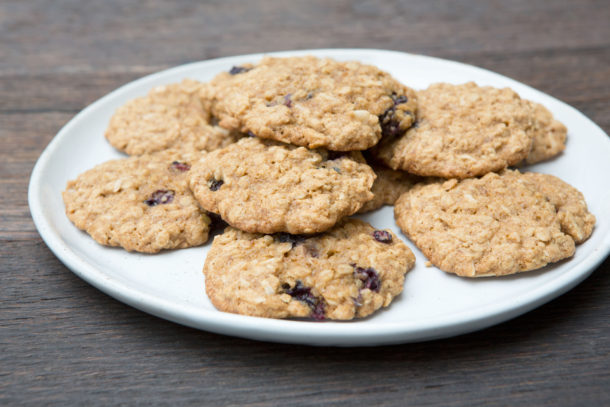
point(62, 342)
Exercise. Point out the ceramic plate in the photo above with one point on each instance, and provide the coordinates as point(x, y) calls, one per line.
point(433, 304)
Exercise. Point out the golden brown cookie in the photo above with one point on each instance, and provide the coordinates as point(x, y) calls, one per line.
point(347, 272)
point(266, 187)
point(574, 217)
point(313, 102)
point(139, 203)
point(170, 116)
point(461, 131)
point(497, 225)
point(549, 134)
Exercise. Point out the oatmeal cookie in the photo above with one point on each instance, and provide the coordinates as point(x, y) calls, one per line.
point(496, 225)
point(262, 186)
point(461, 131)
point(170, 116)
point(574, 217)
point(548, 133)
point(313, 102)
point(388, 186)
point(347, 272)
point(140, 203)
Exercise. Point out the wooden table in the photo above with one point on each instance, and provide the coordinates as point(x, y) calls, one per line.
point(63, 342)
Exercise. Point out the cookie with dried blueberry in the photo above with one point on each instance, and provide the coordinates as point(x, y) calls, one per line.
point(140, 203)
point(348, 272)
point(461, 131)
point(262, 186)
point(313, 102)
point(169, 117)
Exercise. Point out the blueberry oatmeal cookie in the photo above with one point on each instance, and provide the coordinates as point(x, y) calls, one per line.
point(548, 133)
point(461, 131)
point(347, 272)
point(140, 203)
point(262, 186)
point(312, 102)
point(497, 225)
point(170, 116)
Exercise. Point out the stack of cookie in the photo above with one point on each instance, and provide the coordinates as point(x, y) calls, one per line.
point(286, 150)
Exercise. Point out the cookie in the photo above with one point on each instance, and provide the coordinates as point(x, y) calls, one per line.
point(313, 102)
point(347, 272)
point(549, 135)
point(461, 131)
point(574, 217)
point(170, 116)
point(140, 203)
point(388, 186)
point(492, 226)
point(266, 187)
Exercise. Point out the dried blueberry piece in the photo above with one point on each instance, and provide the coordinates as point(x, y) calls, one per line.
point(250, 134)
point(382, 236)
point(238, 69)
point(178, 166)
point(301, 293)
point(215, 184)
point(160, 197)
point(288, 100)
point(368, 276)
point(399, 99)
point(317, 312)
point(284, 237)
point(337, 169)
point(390, 126)
point(309, 96)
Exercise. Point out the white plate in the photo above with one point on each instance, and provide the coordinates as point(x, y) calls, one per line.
point(433, 305)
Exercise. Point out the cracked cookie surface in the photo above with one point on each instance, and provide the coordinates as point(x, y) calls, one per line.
point(312, 102)
point(168, 117)
point(461, 131)
point(140, 203)
point(497, 225)
point(347, 272)
point(264, 186)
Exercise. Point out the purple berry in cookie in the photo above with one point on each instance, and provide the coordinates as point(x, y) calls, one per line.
point(178, 166)
point(238, 69)
point(390, 126)
point(317, 312)
point(301, 293)
point(288, 100)
point(369, 277)
point(215, 184)
point(295, 240)
point(399, 99)
point(250, 134)
point(382, 236)
point(160, 197)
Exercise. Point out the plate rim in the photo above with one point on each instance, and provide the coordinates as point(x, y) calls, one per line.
point(299, 332)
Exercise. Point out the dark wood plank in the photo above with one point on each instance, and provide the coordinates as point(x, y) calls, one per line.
point(62, 342)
